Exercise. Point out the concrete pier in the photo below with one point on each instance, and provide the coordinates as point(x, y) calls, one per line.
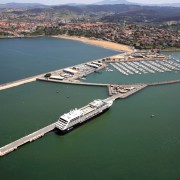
point(72, 80)
point(163, 82)
point(31, 137)
point(37, 134)
point(127, 94)
point(18, 83)
point(26, 139)
point(34, 78)
point(75, 82)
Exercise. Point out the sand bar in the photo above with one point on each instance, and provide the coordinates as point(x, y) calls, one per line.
point(101, 43)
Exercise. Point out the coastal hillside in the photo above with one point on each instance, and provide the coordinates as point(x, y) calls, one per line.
point(109, 13)
point(143, 27)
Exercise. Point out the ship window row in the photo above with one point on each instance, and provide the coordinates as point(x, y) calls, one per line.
point(64, 121)
point(101, 106)
point(75, 118)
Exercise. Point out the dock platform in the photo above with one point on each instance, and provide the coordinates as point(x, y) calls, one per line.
point(127, 94)
point(37, 134)
point(26, 139)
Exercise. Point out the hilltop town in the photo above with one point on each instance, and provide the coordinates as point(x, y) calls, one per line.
point(138, 31)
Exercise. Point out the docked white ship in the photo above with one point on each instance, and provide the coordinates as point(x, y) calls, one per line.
point(75, 117)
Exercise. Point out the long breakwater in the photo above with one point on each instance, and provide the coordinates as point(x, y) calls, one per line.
point(115, 91)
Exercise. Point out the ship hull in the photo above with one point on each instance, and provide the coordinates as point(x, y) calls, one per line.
point(62, 132)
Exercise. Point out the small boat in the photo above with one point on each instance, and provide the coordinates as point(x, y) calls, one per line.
point(152, 115)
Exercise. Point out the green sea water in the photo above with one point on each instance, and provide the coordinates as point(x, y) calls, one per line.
point(123, 143)
point(20, 58)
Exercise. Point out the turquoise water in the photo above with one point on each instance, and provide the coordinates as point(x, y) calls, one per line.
point(124, 143)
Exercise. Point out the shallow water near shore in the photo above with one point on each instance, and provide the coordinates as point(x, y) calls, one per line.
point(123, 143)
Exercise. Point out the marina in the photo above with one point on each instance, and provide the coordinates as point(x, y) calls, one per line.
point(142, 129)
point(126, 65)
point(119, 69)
point(138, 67)
point(74, 75)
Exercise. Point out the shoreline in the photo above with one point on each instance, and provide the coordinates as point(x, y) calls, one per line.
point(14, 37)
point(100, 43)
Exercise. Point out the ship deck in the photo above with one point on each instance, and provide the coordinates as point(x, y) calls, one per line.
point(87, 109)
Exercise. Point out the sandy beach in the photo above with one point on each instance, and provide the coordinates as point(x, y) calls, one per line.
point(101, 43)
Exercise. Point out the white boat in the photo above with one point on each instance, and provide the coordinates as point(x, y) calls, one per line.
point(76, 117)
point(83, 78)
